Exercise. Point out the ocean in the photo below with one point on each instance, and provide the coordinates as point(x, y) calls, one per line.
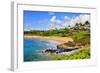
point(33, 47)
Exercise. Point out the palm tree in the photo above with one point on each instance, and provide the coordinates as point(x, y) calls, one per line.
point(69, 26)
point(87, 25)
point(87, 22)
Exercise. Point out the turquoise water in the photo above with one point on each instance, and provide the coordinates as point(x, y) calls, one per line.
point(33, 48)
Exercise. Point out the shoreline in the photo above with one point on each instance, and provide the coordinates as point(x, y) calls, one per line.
point(54, 38)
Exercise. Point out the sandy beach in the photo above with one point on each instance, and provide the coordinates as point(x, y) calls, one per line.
point(55, 38)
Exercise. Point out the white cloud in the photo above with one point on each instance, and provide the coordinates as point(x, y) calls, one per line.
point(66, 18)
point(84, 18)
point(27, 27)
point(78, 19)
point(58, 22)
point(53, 19)
point(55, 23)
point(66, 21)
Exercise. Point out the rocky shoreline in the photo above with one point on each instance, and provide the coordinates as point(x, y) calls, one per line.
point(70, 45)
point(64, 48)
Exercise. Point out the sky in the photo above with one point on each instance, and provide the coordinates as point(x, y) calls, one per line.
point(39, 20)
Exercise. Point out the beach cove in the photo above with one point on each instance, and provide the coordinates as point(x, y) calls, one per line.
point(54, 38)
point(33, 47)
point(39, 48)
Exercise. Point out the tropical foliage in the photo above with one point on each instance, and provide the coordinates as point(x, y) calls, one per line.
point(80, 32)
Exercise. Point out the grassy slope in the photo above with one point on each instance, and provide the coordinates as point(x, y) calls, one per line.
point(83, 54)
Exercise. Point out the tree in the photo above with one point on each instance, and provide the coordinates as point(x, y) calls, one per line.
point(87, 25)
point(69, 26)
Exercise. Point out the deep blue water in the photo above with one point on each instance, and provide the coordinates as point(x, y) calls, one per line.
point(32, 48)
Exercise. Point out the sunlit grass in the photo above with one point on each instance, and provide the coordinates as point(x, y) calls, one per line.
point(83, 54)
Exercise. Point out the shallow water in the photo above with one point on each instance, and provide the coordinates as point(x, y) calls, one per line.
point(33, 48)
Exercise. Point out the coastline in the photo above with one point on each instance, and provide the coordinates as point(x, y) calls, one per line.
point(54, 38)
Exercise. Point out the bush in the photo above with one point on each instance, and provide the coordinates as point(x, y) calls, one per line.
point(82, 37)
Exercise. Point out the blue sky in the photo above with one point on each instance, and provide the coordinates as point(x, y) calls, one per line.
point(39, 20)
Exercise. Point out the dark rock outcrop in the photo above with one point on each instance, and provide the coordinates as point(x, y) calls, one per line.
point(71, 45)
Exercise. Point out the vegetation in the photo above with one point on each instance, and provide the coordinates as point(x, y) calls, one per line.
point(80, 34)
point(83, 54)
point(53, 32)
point(82, 37)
